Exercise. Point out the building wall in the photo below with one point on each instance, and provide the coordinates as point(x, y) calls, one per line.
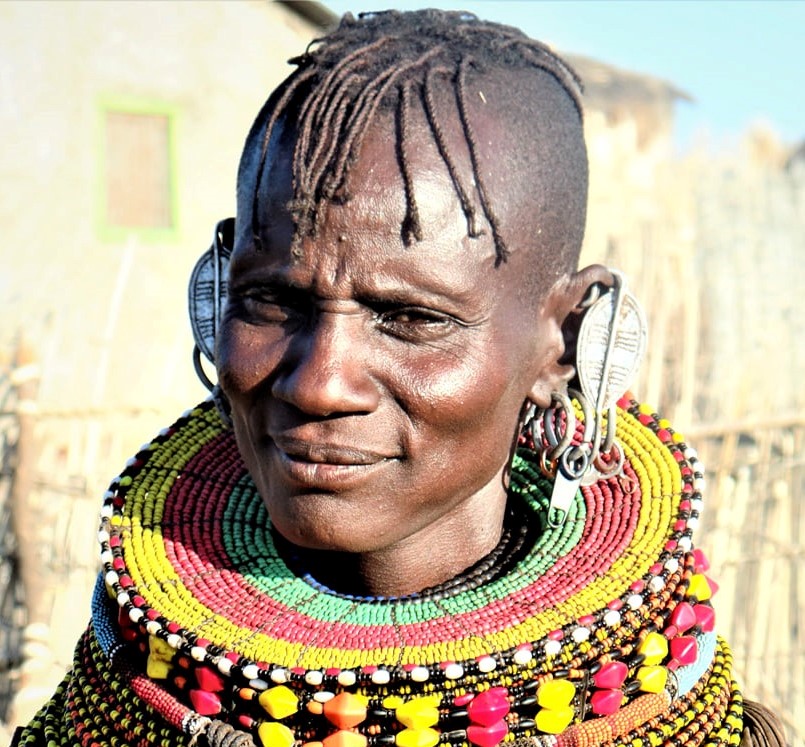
point(99, 313)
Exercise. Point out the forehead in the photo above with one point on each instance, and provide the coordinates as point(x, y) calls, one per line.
point(359, 244)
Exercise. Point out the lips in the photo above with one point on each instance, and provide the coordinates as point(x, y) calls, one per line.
point(325, 453)
point(326, 466)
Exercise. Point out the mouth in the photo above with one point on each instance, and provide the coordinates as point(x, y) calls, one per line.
point(326, 465)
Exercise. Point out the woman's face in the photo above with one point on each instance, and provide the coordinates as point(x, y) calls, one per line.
point(375, 387)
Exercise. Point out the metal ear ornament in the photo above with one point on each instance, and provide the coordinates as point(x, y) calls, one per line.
point(611, 344)
point(207, 295)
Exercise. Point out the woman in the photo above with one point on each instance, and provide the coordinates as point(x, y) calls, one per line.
point(396, 528)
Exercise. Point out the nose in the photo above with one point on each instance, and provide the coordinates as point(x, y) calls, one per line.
point(326, 368)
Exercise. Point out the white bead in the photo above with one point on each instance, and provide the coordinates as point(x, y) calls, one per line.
point(103, 535)
point(580, 634)
point(522, 656)
point(107, 511)
point(693, 522)
point(420, 674)
point(672, 565)
point(612, 618)
point(174, 640)
point(656, 584)
point(691, 453)
point(224, 665)
point(552, 648)
point(111, 578)
point(486, 664)
point(136, 615)
point(685, 543)
point(635, 601)
point(106, 556)
point(279, 675)
point(323, 696)
point(153, 627)
point(197, 652)
point(453, 671)
point(346, 678)
point(123, 599)
point(131, 461)
point(251, 671)
point(699, 484)
point(258, 684)
point(314, 677)
point(697, 504)
point(381, 677)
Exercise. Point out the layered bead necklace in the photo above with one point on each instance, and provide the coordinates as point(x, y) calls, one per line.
point(599, 630)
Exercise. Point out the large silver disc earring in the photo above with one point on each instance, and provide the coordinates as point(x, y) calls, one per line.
point(206, 298)
point(611, 344)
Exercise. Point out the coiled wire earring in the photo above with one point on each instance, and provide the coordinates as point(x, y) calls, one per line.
point(611, 344)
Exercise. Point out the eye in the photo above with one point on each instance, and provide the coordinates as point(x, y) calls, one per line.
point(415, 323)
point(258, 305)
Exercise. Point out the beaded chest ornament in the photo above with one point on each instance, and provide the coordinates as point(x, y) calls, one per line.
point(601, 630)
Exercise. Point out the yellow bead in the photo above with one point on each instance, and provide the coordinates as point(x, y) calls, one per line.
point(160, 649)
point(418, 713)
point(417, 738)
point(392, 702)
point(554, 721)
point(160, 657)
point(699, 587)
point(279, 702)
point(157, 669)
point(654, 648)
point(652, 678)
point(344, 738)
point(555, 694)
point(273, 734)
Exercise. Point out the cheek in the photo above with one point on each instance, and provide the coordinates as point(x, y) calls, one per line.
point(246, 356)
point(468, 396)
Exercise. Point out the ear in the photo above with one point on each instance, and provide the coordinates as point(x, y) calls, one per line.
point(561, 314)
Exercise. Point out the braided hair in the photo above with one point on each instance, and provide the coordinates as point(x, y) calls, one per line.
point(382, 62)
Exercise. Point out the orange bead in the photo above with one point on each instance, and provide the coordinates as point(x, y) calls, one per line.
point(343, 738)
point(345, 710)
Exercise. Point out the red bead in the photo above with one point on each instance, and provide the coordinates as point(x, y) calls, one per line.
point(208, 680)
point(683, 617)
point(487, 736)
point(611, 675)
point(207, 704)
point(700, 561)
point(606, 702)
point(684, 649)
point(462, 700)
point(705, 617)
point(488, 707)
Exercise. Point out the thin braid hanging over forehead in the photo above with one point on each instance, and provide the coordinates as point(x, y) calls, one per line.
point(385, 61)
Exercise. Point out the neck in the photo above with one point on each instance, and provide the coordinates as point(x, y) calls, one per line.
point(434, 556)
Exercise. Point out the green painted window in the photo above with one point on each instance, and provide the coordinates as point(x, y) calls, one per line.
point(138, 175)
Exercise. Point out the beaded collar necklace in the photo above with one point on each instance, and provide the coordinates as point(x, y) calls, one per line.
point(598, 630)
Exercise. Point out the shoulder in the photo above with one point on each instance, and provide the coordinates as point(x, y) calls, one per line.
point(761, 727)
